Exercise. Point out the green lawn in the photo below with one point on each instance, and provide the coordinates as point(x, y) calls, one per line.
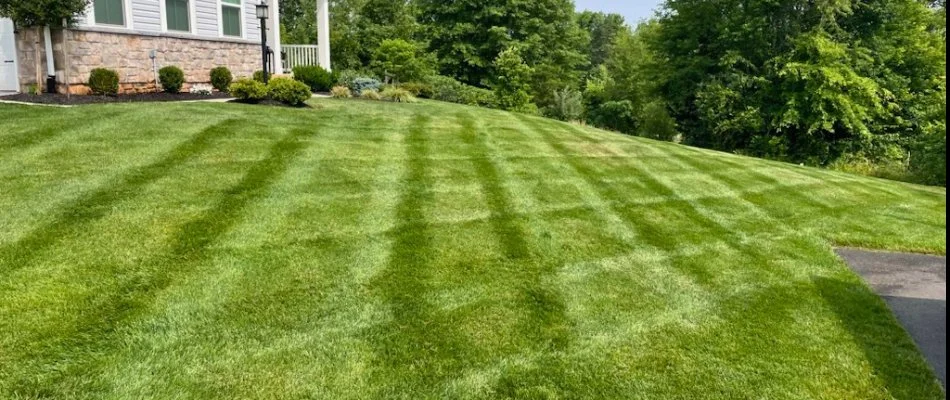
point(364, 250)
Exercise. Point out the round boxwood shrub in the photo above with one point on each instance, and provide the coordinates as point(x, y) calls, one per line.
point(248, 90)
point(314, 76)
point(288, 91)
point(172, 78)
point(104, 81)
point(221, 78)
point(259, 76)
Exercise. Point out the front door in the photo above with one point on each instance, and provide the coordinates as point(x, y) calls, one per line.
point(8, 66)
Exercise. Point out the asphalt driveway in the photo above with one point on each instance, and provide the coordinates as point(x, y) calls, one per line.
point(915, 288)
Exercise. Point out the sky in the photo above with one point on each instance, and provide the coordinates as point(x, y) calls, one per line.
point(632, 10)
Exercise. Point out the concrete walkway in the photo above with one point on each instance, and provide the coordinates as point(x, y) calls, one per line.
point(915, 288)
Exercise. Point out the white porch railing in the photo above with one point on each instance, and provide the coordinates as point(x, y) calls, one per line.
point(300, 54)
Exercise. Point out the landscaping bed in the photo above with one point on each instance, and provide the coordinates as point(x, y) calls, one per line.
point(62, 99)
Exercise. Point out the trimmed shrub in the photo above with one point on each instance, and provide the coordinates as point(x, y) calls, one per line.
point(259, 76)
point(418, 89)
point(172, 78)
point(104, 81)
point(341, 92)
point(475, 96)
point(317, 78)
point(370, 94)
point(450, 90)
point(619, 116)
point(288, 91)
point(248, 90)
point(361, 84)
point(398, 95)
point(221, 78)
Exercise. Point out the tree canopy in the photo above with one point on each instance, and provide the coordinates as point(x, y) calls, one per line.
point(42, 12)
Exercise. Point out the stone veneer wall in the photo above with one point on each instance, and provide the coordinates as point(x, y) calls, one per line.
point(127, 54)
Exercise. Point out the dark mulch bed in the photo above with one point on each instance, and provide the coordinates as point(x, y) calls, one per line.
point(61, 99)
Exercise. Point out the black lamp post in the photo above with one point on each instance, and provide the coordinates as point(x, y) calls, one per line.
point(262, 15)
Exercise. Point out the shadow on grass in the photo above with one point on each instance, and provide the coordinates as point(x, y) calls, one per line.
point(545, 320)
point(46, 133)
point(98, 203)
point(100, 327)
point(892, 355)
point(420, 346)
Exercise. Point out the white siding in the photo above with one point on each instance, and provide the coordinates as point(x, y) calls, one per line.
point(207, 14)
point(146, 18)
point(146, 15)
point(252, 25)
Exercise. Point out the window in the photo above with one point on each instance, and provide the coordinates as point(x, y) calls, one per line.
point(177, 15)
point(109, 12)
point(231, 17)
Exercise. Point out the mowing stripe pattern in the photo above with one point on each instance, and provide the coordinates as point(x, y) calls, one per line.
point(364, 250)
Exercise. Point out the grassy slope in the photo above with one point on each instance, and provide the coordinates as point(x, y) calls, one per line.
point(370, 250)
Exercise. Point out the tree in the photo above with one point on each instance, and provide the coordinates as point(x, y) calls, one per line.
point(40, 13)
point(808, 81)
point(511, 82)
point(467, 36)
point(602, 30)
point(34, 13)
point(400, 60)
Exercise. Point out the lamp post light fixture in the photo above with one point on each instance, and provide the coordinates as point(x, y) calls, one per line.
point(262, 10)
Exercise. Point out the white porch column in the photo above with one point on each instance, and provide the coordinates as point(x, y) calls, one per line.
point(323, 33)
point(273, 35)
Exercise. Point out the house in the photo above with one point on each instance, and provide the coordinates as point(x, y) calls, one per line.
point(136, 38)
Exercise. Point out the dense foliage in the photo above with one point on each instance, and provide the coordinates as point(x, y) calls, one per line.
point(42, 12)
point(221, 78)
point(288, 91)
point(838, 83)
point(314, 76)
point(172, 78)
point(103, 81)
point(248, 90)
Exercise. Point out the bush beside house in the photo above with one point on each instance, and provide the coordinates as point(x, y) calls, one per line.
point(172, 78)
point(104, 81)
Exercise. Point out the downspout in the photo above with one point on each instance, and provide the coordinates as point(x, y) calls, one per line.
point(66, 55)
point(50, 62)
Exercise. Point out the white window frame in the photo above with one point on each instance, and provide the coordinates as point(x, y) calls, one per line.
point(243, 19)
point(126, 11)
point(192, 18)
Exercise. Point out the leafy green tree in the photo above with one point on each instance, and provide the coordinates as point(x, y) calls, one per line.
point(467, 36)
point(42, 12)
point(602, 30)
point(400, 60)
point(511, 83)
point(357, 27)
point(803, 80)
point(39, 13)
